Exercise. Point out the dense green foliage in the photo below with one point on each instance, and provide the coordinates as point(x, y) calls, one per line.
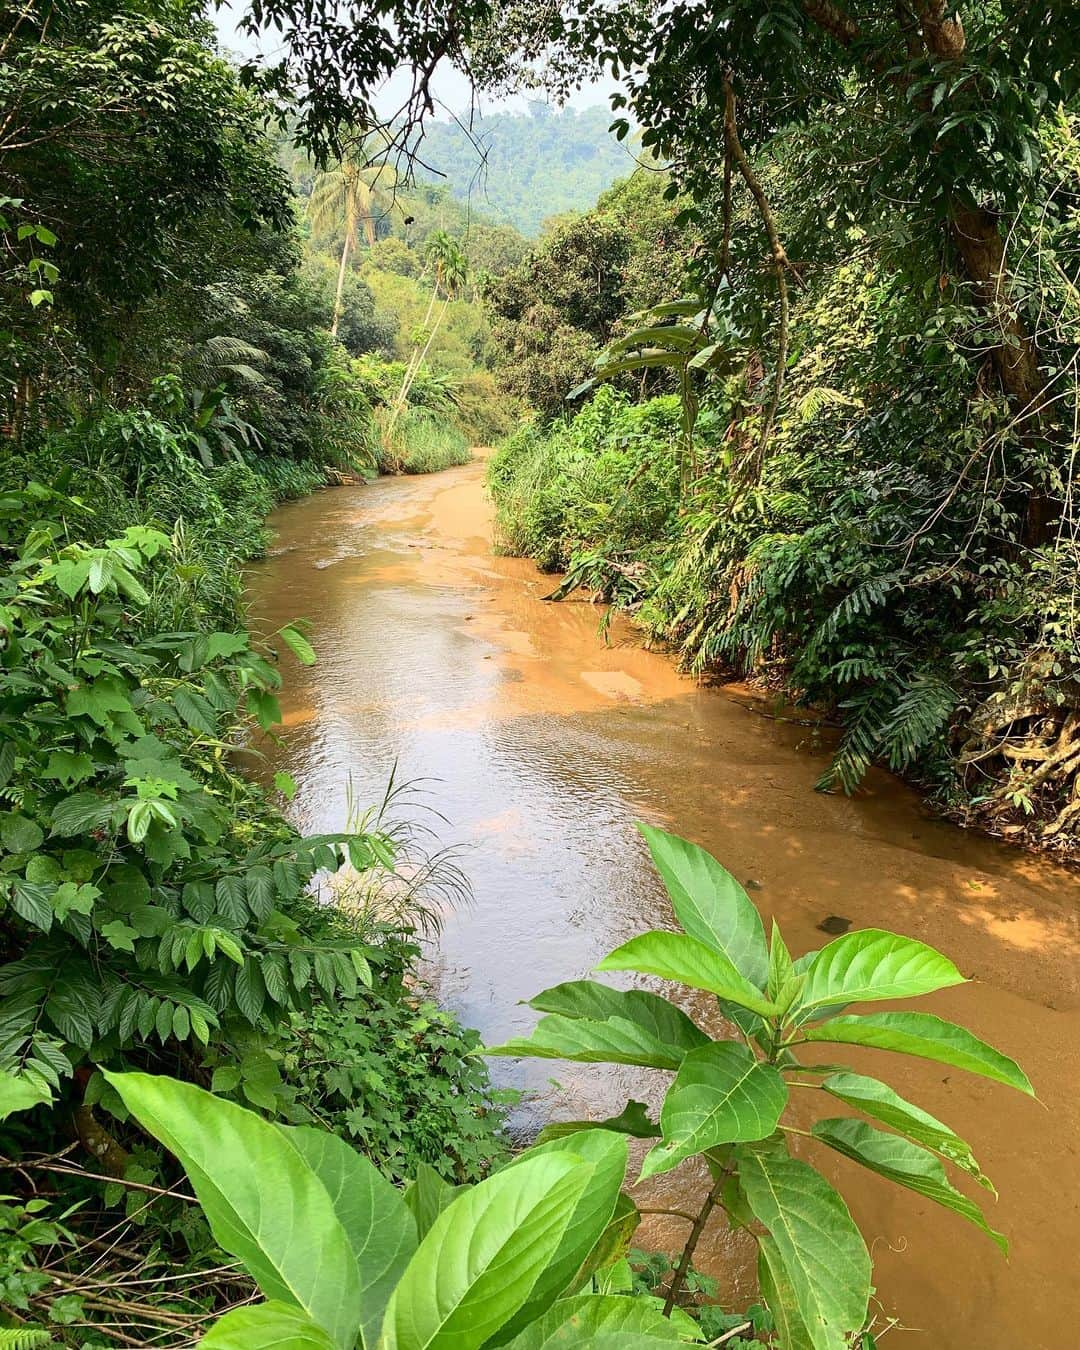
point(906, 174)
point(553, 313)
point(882, 580)
point(539, 1251)
point(167, 374)
point(524, 168)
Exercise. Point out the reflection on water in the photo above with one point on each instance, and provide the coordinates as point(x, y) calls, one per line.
point(542, 746)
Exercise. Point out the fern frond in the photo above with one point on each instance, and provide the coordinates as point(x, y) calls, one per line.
point(862, 738)
point(24, 1338)
point(919, 716)
point(869, 595)
point(822, 396)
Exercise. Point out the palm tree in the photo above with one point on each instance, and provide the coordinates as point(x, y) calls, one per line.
point(348, 194)
point(450, 271)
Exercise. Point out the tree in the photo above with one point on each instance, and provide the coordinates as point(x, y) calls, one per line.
point(449, 271)
point(347, 198)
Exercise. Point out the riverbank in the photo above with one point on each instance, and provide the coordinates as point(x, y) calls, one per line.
point(542, 744)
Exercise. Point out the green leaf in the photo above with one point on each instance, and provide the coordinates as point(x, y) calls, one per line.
point(19, 834)
point(19, 1094)
point(632, 1120)
point(194, 710)
point(484, 1254)
point(878, 1100)
point(824, 1262)
point(285, 784)
point(260, 891)
point(903, 1162)
point(871, 965)
point(721, 1095)
point(576, 1321)
point(264, 1204)
point(225, 644)
point(781, 969)
point(607, 1155)
point(68, 768)
point(119, 936)
point(32, 903)
point(298, 644)
point(667, 1028)
point(678, 957)
point(778, 1294)
point(613, 1244)
point(616, 1041)
point(926, 1037)
point(266, 1326)
point(81, 813)
point(379, 1226)
point(709, 903)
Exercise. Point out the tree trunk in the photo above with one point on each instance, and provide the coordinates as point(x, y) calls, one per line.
point(340, 283)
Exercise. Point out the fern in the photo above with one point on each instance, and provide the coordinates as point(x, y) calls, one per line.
point(862, 738)
point(820, 397)
point(24, 1338)
point(918, 718)
point(869, 595)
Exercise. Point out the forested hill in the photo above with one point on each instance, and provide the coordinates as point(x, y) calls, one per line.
point(529, 166)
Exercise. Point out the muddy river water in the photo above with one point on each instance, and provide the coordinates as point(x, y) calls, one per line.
point(542, 745)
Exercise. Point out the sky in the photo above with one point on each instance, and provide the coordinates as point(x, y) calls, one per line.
point(451, 88)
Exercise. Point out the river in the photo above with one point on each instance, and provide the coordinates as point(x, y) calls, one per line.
point(542, 744)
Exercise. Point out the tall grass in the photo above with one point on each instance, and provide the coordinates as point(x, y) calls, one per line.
point(422, 441)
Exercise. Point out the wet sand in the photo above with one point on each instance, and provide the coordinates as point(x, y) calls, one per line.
point(542, 744)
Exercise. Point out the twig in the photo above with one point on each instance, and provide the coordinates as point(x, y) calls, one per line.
point(681, 1270)
point(730, 1335)
point(100, 1176)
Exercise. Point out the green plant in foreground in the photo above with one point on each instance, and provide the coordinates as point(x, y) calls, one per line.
point(728, 1096)
point(536, 1255)
point(345, 1259)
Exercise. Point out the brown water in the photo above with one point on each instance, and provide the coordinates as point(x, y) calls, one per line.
point(542, 746)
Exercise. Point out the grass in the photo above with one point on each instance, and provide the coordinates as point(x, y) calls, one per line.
point(423, 442)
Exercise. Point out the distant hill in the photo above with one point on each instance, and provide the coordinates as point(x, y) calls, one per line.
point(540, 163)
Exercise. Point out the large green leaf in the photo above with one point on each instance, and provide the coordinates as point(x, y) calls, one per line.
point(576, 1321)
point(480, 1262)
point(380, 1228)
point(903, 1162)
point(721, 1095)
point(877, 1099)
point(779, 1297)
point(678, 957)
point(607, 1154)
point(616, 1041)
point(926, 1037)
point(709, 903)
point(824, 1264)
point(266, 1326)
point(263, 1202)
point(19, 1094)
point(599, 1002)
point(871, 965)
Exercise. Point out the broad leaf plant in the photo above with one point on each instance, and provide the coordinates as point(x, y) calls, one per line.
point(531, 1257)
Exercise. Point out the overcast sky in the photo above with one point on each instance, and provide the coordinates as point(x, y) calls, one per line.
point(450, 86)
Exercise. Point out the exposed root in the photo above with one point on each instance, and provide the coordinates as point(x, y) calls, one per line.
point(1022, 767)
